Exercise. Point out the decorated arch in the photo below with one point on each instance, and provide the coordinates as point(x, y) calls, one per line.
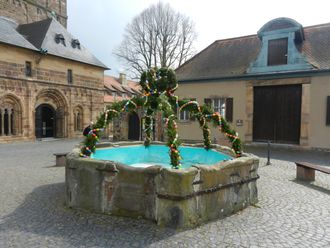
point(158, 87)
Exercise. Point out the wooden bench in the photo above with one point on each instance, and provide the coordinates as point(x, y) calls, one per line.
point(306, 171)
point(60, 158)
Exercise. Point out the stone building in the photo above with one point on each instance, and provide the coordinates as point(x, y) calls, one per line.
point(271, 86)
point(130, 126)
point(50, 84)
point(27, 11)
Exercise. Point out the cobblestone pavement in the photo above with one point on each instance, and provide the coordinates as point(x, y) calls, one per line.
point(32, 211)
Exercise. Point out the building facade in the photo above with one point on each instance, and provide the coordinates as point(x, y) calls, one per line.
point(27, 11)
point(129, 126)
point(50, 85)
point(277, 83)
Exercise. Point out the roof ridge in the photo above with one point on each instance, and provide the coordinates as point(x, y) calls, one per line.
point(239, 37)
point(317, 25)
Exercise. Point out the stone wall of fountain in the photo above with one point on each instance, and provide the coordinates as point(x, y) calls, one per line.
point(175, 198)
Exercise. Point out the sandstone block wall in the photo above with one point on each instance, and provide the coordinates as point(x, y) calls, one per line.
point(27, 11)
point(174, 198)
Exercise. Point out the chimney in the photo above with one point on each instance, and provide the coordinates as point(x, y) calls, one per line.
point(122, 79)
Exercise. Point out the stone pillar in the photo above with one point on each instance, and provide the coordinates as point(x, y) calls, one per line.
point(305, 115)
point(9, 122)
point(249, 112)
point(2, 122)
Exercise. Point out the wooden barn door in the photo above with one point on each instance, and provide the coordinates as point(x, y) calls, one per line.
point(277, 114)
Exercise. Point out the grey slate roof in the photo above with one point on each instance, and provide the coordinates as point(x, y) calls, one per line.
point(232, 57)
point(9, 35)
point(41, 35)
point(35, 32)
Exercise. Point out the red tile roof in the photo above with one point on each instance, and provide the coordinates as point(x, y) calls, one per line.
point(113, 85)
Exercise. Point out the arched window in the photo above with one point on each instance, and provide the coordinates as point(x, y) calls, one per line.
point(10, 116)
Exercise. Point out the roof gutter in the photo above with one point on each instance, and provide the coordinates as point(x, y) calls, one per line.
point(277, 75)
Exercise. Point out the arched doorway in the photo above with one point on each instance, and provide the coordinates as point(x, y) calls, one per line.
point(51, 103)
point(133, 127)
point(45, 121)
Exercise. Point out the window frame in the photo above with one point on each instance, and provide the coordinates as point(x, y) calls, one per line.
point(274, 48)
point(224, 107)
point(70, 76)
point(28, 68)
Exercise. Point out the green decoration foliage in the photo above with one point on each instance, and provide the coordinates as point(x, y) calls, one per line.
point(158, 87)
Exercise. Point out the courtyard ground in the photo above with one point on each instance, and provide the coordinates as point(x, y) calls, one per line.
point(33, 214)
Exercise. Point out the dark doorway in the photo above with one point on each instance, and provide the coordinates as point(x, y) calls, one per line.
point(45, 121)
point(133, 126)
point(277, 114)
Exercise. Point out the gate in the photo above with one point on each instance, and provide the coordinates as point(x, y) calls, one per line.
point(277, 114)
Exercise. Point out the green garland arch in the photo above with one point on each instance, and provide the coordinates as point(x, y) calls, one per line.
point(158, 87)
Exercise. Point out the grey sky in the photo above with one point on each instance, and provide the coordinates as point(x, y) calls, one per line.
point(100, 24)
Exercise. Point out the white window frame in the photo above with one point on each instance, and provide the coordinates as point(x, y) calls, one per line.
point(184, 115)
point(219, 105)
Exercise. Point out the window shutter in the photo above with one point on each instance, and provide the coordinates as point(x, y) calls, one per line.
point(208, 101)
point(229, 109)
point(328, 111)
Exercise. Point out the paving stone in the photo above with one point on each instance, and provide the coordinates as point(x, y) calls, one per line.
point(33, 214)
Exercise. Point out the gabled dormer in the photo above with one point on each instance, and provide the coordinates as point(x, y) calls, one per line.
point(281, 40)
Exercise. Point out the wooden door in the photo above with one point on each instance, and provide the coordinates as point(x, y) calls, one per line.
point(277, 114)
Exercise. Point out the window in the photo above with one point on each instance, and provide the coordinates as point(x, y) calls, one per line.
point(224, 106)
point(28, 69)
point(59, 38)
point(328, 111)
point(185, 115)
point(75, 43)
point(70, 77)
point(7, 117)
point(277, 52)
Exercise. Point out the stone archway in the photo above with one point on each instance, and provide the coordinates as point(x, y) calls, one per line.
point(45, 121)
point(49, 100)
point(10, 115)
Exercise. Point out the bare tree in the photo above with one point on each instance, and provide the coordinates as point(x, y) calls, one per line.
point(159, 36)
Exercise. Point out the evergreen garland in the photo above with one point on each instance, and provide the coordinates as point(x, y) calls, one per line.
point(158, 87)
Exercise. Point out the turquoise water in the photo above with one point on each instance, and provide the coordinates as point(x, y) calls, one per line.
point(139, 156)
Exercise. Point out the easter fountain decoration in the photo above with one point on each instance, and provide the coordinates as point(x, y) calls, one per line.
point(174, 196)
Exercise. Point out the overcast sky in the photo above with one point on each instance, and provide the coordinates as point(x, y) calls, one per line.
point(100, 24)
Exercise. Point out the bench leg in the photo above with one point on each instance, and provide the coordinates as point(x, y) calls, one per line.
point(305, 174)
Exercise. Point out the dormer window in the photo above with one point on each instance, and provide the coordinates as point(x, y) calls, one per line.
point(59, 38)
point(280, 40)
point(75, 43)
point(277, 52)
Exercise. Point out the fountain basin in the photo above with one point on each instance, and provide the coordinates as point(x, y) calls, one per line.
point(175, 198)
point(141, 156)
